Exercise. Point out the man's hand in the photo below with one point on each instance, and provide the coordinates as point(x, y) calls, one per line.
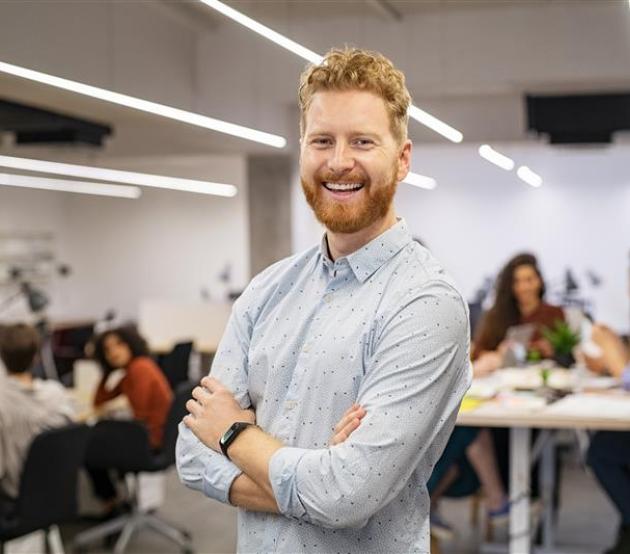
point(350, 420)
point(213, 409)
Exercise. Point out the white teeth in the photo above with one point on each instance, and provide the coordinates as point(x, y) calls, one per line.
point(343, 186)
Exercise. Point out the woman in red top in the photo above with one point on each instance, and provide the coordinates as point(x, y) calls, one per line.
point(144, 385)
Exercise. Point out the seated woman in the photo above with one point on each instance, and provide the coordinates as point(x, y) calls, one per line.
point(144, 385)
point(470, 458)
point(609, 452)
point(519, 300)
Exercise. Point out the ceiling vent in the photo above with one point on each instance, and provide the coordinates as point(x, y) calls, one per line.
point(579, 118)
point(31, 125)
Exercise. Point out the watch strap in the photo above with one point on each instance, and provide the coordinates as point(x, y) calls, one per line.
point(230, 435)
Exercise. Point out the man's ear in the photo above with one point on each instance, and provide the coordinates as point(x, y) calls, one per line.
point(404, 160)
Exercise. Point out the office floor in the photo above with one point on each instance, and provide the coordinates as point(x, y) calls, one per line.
point(586, 520)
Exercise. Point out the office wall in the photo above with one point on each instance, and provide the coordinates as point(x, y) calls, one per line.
point(165, 245)
point(479, 216)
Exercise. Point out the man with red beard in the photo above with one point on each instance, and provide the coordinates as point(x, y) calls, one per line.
point(363, 337)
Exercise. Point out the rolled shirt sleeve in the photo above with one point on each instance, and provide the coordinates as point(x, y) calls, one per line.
point(415, 377)
point(199, 467)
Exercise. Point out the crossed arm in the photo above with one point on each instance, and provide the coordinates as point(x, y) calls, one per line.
point(214, 408)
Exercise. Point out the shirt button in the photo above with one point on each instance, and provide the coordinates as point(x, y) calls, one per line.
point(328, 298)
point(306, 348)
point(290, 404)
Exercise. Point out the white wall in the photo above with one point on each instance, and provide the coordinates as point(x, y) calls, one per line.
point(165, 245)
point(479, 216)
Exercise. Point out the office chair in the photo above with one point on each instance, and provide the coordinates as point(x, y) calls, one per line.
point(123, 445)
point(175, 364)
point(48, 486)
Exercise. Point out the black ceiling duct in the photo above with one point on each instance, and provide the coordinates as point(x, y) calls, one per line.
point(38, 126)
point(579, 118)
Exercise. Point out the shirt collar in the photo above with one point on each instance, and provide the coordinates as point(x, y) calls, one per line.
point(369, 258)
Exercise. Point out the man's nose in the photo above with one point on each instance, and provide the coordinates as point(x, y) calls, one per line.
point(341, 159)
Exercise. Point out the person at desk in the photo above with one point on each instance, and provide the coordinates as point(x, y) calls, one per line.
point(28, 405)
point(144, 385)
point(470, 457)
point(609, 452)
point(520, 292)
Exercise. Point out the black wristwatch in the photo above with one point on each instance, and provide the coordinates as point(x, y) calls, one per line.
point(230, 435)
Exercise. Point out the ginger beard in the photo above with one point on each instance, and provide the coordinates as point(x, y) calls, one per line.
point(372, 202)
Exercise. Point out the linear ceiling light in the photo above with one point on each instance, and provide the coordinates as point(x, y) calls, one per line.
point(435, 124)
point(63, 185)
point(117, 176)
point(419, 115)
point(527, 175)
point(421, 181)
point(145, 106)
point(498, 159)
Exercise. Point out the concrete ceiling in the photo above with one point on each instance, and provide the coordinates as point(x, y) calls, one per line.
point(467, 61)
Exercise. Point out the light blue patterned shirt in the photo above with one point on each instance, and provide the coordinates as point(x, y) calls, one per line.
point(384, 327)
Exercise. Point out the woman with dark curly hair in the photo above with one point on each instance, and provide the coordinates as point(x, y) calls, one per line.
point(144, 385)
point(520, 292)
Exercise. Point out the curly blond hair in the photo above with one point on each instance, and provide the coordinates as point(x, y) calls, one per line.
point(357, 69)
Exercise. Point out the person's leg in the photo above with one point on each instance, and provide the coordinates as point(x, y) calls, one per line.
point(480, 454)
point(609, 457)
point(103, 487)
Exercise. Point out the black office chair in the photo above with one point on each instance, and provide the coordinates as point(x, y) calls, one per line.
point(123, 445)
point(175, 363)
point(48, 485)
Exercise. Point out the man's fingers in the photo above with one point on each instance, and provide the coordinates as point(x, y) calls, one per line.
point(193, 407)
point(212, 384)
point(344, 433)
point(200, 394)
point(354, 412)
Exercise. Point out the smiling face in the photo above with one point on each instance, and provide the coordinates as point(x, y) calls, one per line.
point(526, 285)
point(350, 162)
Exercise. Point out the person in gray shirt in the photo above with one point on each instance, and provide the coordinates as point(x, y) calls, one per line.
point(364, 337)
point(28, 405)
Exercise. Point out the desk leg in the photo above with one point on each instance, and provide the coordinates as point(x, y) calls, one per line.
point(520, 540)
point(547, 482)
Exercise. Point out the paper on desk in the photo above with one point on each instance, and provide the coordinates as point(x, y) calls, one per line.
point(592, 405)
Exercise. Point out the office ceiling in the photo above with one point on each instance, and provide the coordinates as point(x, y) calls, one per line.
point(466, 61)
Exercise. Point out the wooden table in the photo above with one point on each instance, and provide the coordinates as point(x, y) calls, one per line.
point(577, 411)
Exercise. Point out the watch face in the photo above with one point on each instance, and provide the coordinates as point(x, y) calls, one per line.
point(227, 435)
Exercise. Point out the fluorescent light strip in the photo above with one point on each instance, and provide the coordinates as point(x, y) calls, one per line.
point(264, 31)
point(419, 115)
point(146, 106)
point(527, 175)
point(498, 159)
point(421, 181)
point(117, 176)
point(435, 124)
point(63, 185)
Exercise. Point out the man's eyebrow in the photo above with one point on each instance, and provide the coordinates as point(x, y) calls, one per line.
point(319, 132)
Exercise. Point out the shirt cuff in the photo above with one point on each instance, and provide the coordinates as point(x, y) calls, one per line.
point(202, 469)
point(625, 378)
point(283, 479)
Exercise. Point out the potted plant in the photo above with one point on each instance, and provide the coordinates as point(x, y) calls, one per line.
point(563, 339)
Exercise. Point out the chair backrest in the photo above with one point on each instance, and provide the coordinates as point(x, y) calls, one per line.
point(124, 444)
point(48, 485)
point(182, 394)
point(175, 364)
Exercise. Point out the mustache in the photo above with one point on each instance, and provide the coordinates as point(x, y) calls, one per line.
point(347, 178)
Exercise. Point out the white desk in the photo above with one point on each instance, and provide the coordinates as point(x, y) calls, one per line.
point(572, 412)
